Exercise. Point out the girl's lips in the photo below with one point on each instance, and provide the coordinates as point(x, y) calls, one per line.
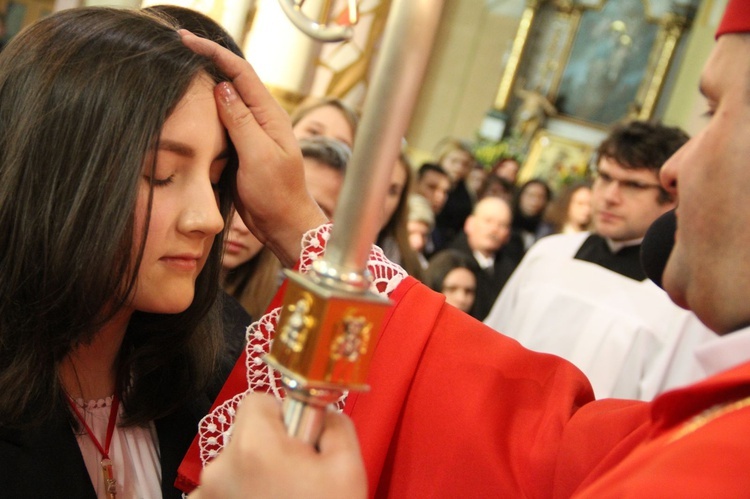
point(181, 263)
point(232, 247)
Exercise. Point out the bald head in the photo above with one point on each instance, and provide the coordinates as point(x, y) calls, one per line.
point(488, 227)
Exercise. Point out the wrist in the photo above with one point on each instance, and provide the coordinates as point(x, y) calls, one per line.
point(285, 242)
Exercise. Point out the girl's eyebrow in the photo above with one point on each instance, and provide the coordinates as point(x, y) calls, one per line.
point(178, 148)
point(186, 150)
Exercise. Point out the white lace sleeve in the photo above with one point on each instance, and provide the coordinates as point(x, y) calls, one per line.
point(216, 427)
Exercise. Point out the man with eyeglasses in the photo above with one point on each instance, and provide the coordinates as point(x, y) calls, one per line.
point(586, 298)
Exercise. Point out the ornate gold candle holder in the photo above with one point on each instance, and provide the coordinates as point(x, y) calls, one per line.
point(324, 343)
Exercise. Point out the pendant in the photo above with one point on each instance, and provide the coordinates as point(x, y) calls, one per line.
point(109, 478)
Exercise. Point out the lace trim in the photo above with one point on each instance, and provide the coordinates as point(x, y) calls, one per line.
point(94, 403)
point(216, 428)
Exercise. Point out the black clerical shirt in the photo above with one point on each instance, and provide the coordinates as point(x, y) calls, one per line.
point(626, 261)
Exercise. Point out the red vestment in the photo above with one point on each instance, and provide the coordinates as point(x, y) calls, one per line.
point(458, 410)
point(455, 412)
point(680, 449)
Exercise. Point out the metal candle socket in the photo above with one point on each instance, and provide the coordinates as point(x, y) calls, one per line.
point(323, 346)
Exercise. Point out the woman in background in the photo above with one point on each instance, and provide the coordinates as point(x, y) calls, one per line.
point(571, 211)
point(394, 234)
point(454, 274)
point(328, 117)
point(243, 265)
point(528, 212)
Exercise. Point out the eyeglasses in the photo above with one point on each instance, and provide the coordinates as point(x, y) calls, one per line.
point(627, 187)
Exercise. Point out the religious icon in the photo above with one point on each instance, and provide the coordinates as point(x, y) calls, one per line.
point(531, 114)
point(352, 340)
point(294, 333)
point(608, 62)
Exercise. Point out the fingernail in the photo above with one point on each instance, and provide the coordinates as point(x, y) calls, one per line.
point(227, 93)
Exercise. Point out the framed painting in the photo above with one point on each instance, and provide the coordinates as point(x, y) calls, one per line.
point(597, 61)
point(556, 160)
point(608, 62)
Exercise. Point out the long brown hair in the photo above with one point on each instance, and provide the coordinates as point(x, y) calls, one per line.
point(396, 227)
point(84, 94)
point(255, 282)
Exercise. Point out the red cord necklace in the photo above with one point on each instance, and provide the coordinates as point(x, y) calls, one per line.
point(106, 463)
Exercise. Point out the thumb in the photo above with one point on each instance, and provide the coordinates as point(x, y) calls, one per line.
point(339, 435)
point(341, 456)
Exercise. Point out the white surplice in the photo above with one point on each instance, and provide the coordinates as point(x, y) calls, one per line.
point(627, 336)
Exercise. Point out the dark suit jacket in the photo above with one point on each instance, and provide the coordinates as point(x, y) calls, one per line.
point(47, 462)
point(489, 282)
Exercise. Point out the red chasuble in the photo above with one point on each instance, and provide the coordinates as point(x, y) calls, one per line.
point(458, 410)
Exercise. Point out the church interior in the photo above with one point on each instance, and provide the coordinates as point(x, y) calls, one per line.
point(538, 80)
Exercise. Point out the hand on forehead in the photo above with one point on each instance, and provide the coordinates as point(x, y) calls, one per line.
point(270, 192)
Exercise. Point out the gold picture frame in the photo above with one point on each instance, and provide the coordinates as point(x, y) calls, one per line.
point(559, 161)
point(551, 56)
